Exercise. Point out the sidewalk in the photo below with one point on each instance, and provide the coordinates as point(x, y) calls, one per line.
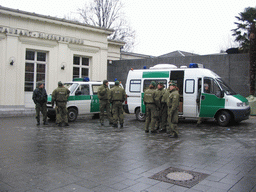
point(88, 157)
point(16, 111)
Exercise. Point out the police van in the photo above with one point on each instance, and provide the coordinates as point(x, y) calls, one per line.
point(220, 102)
point(83, 98)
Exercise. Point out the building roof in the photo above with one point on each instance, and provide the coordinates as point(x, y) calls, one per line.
point(136, 55)
point(178, 53)
point(50, 19)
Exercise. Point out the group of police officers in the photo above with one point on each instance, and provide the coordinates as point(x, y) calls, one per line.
point(115, 96)
point(162, 105)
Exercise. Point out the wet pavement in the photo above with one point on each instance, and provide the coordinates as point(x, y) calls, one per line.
point(88, 157)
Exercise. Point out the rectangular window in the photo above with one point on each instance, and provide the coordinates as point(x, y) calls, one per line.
point(190, 86)
point(35, 69)
point(147, 83)
point(135, 85)
point(95, 89)
point(210, 86)
point(81, 67)
point(83, 90)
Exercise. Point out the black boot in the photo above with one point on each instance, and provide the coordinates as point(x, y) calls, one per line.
point(121, 125)
point(162, 131)
point(38, 123)
point(175, 135)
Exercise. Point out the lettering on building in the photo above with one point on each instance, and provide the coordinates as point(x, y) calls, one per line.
point(34, 34)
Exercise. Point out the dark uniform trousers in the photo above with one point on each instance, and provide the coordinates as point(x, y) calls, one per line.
point(104, 104)
point(61, 112)
point(117, 110)
point(151, 116)
point(43, 109)
point(163, 115)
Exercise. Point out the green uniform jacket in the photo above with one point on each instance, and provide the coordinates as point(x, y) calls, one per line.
point(60, 94)
point(103, 92)
point(165, 96)
point(149, 96)
point(117, 93)
point(159, 95)
point(173, 100)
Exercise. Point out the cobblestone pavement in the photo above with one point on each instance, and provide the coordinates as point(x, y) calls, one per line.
point(88, 157)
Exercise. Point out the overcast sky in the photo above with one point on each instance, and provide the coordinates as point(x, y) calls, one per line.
point(162, 26)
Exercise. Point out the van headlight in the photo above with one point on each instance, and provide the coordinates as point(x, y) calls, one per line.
point(242, 104)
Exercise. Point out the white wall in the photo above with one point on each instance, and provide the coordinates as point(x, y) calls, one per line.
point(90, 42)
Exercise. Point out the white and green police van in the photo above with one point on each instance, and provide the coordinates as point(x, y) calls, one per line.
point(220, 102)
point(83, 98)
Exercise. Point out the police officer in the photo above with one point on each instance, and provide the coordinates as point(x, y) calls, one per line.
point(60, 97)
point(117, 97)
point(103, 95)
point(173, 109)
point(164, 110)
point(158, 100)
point(40, 98)
point(151, 108)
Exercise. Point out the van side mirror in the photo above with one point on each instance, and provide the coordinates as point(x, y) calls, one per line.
point(221, 94)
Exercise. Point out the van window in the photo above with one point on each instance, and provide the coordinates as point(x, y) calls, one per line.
point(95, 89)
point(178, 78)
point(71, 86)
point(84, 90)
point(210, 86)
point(189, 86)
point(147, 83)
point(135, 85)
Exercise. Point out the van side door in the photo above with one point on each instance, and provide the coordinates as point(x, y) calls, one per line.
point(95, 103)
point(82, 98)
point(210, 100)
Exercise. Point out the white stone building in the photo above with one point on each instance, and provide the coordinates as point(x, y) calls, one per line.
point(36, 48)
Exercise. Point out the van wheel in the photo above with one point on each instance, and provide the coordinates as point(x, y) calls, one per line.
point(223, 118)
point(139, 116)
point(72, 114)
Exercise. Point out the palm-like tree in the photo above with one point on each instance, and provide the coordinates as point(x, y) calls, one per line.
point(246, 35)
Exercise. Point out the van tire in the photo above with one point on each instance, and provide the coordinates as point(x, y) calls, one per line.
point(72, 114)
point(223, 118)
point(139, 116)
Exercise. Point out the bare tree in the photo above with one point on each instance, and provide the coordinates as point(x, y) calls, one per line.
point(108, 14)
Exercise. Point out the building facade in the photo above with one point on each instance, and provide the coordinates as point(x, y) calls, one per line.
point(37, 48)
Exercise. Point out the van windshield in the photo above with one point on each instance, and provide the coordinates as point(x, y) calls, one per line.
point(70, 86)
point(225, 87)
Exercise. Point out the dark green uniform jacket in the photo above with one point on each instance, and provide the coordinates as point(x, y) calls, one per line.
point(60, 94)
point(39, 96)
point(117, 93)
point(149, 96)
point(173, 100)
point(103, 92)
point(159, 95)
